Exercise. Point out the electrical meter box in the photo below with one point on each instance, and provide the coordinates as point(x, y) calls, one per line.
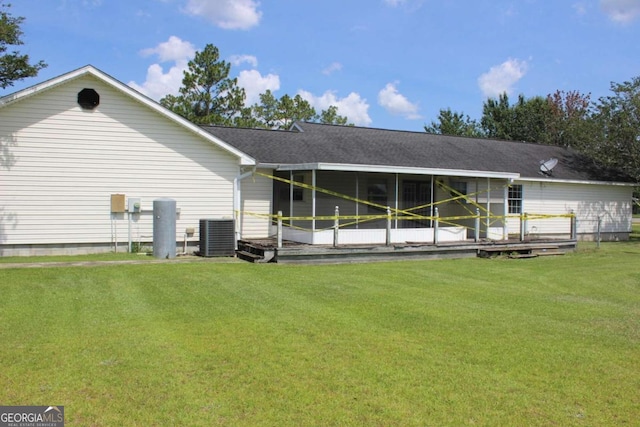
point(117, 203)
point(133, 205)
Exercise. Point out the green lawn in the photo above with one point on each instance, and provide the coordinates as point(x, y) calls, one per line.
point(551, 341)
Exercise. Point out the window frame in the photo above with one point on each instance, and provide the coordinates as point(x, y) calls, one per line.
point(515, 199)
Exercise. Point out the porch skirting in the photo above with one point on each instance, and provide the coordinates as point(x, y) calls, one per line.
point(374, 236)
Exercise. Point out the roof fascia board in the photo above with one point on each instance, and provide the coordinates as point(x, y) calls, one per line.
point(47, 84)
point(90, 70)
point(397, 169)
point(578, 181)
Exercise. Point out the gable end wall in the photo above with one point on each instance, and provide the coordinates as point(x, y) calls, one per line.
point(60, 165)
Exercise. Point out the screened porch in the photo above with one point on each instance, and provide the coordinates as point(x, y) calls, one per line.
point(364, 207)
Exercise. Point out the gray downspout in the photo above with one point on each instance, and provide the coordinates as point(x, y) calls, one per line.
point(237, 197)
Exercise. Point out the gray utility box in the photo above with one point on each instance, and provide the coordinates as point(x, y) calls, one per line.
point(217, 237)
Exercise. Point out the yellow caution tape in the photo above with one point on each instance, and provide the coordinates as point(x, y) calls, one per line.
point(400, 214)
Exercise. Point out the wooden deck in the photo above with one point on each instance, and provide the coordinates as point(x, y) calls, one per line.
point(265, 250)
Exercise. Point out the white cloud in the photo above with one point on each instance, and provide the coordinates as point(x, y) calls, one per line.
point(227, 14)
point(255, 83)
point(240, 59)
point(501, 78)
point(621, 11)
point(394, 3)
point(174, 49)
point(335, 66)
point(353, 106)
point(158, 83)
point(396, 103)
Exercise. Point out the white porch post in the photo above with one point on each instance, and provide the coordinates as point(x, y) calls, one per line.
point(279, 237)
point(290, 198)
point(357, 198)
point(505, 227)
point(313, 200)
point(397, 206)
point(488, 205)
point(336, 226)
point(388, 233)
point(432, 199)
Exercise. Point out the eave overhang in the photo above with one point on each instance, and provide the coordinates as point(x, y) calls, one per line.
point(578, 181)
point(405, 170)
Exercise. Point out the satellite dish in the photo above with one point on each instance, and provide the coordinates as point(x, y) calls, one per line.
point(546, 166)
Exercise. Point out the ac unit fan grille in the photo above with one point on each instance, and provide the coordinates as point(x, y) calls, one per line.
point(217, 237)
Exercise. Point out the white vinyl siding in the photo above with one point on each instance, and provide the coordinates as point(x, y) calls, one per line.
point(588, 201)
point(256, 200)
point(61, 164)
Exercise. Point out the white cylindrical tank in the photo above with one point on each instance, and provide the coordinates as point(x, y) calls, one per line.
point(164, 228)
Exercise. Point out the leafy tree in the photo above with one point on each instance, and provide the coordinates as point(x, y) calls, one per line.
point(330, 117)
point(274, 113)
point(294, 109)
point(617, 120)
point(497, 117)
point(13, 65)
point(247, 119)
point(570, 123)
point(454, 123)
point(267, 112)
point(208, 95)
point(526, 120)
point(531, 118)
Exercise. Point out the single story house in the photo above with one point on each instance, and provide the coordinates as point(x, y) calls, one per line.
point(83, 157)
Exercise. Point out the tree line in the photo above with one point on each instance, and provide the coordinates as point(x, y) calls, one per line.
point(607, 129)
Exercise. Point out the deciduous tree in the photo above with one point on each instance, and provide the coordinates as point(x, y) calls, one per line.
point(454, 123)
point(274, 113)
point(618, 123)
point(330, 116)
point(13, 65)
point(526, 120)
point(570, 123)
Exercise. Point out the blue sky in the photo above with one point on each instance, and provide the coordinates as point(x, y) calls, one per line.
point(384, 63)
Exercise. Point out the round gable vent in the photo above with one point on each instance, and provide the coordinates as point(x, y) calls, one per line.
point(88, 99)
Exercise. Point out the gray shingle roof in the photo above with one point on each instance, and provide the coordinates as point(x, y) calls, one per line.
point(319, 143)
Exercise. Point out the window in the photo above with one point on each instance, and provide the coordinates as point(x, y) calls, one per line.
point(515, 199)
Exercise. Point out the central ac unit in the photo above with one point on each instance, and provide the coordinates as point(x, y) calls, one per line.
point(217, 237)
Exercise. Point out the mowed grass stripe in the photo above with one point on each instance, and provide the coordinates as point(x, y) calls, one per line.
point(546, 341)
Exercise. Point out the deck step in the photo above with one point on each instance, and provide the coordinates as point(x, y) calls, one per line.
point(248, 256)
point(519, 256)
point(549, 253)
